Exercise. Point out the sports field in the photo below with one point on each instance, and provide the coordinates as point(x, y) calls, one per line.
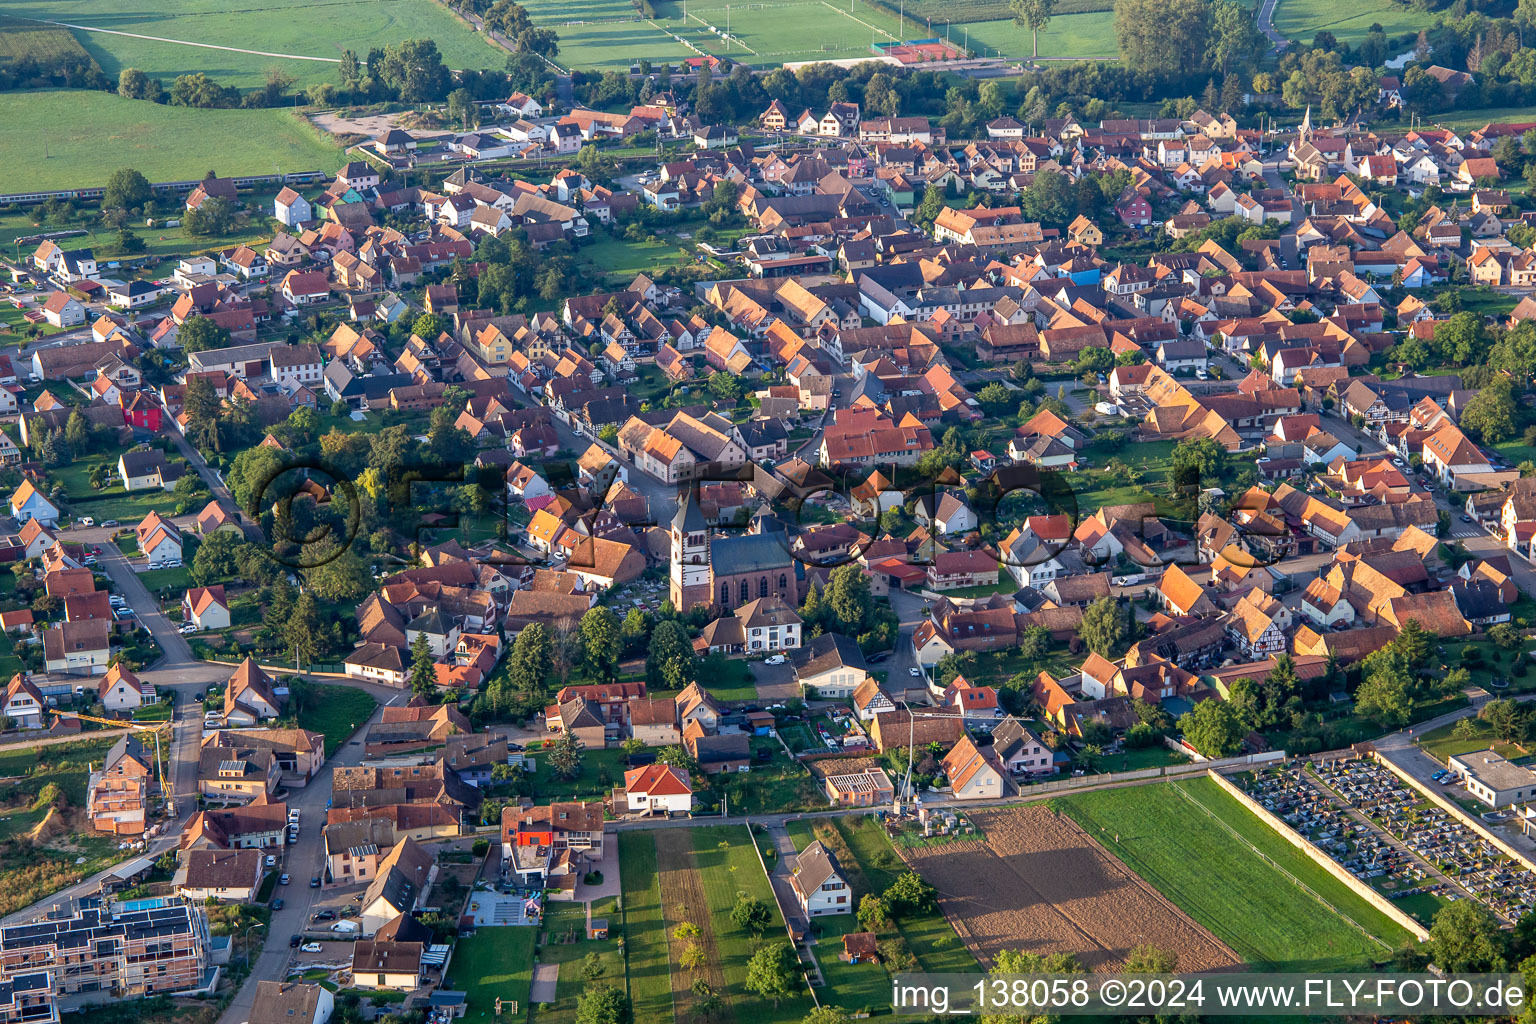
point(604, 35)
point(1227, 870)
point(323, 28)
point(70, 139)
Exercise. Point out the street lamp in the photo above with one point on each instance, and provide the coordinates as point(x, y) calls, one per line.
point(247, 934)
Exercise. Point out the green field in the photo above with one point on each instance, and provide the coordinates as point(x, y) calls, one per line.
point(644, 928)
point(71, 139)
point(284, 30)
point(337, 713)
point(1197, 846)
point(1302, 19)
point(601, 770)
point(621, 259)
point(563, 941)
point(604, 35)
point(727, 864)
point(493, 962)
point(772, 32)
point(1067, 37)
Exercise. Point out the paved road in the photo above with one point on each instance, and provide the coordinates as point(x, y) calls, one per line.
point(301, 861)
point(1266, 22)
point(1288, 248)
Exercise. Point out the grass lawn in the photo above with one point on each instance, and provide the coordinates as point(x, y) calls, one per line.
point(601, 770)
point(162, 579)
point(10, 664)
point(338, 713)
point(92, 134)
point(728, 864)
point(1068, 36)
point(620, 258)
point(1421, 906)
point(1146, 757)
point(930, 936)
point(493, 962)
point(163, 242)
point(1303, 19)
point(274, 26)
point(644, 928)
point(854, 987)
point(1440, 744)
point(564, 942)
point(1196, 845)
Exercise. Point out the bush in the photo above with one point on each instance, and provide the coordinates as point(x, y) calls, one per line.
point(592, 878)
point(480, 847)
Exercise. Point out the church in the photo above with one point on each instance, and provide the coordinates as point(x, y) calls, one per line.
point(726, 571)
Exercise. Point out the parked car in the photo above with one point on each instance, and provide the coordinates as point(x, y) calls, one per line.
point(310, 947)
point(314, 883)
point(271, 860)
point(282, 879)
point(109, 522)
point(324, 915)
point(87, 521)
point(915, 672)
point(277, 904)
point(293, 941)
point(775, 659)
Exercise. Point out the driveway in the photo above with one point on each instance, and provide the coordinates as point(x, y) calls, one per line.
point(784, 869)
point(774, 682)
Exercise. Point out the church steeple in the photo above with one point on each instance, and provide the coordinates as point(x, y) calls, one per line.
point(1306, 125)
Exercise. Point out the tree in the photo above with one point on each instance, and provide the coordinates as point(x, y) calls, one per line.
point(414, 69)
point(601, 642)
point(423, 671)
point(1235, 39)
point(1385, 695)
point(333, 571)
point(827, 1015)
point(751, 914)
point(126, 189)
point(592, 967)
point(1490, 414)
point(1169, 36)
point(670, 664)
point(771, 972)
point(1103, 627)
point(133, 84)
point(215, 559)
point(531, 660)
point(198, 334)
point(603, 1004)
point(1507, 718)
point(874, 912)
point(678, 757)
point(909, 894)
point(1465, 939)
point(726, 387)
point(463, 109)
point(1146, 958)
point(349, 70)
point(1197, 461)
point(848, 598)
point(563, 757)
point(1035, 15)
point(1213, 728)
point(302, 633)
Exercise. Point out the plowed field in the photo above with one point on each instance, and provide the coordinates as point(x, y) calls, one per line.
point(1042, 885)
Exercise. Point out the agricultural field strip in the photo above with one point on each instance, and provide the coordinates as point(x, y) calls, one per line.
point(1098, 909)
point(678, 877)
point(1303, 886)
point(1337, 801)
point(637, 860)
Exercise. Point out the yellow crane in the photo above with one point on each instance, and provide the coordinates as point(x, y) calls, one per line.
point(154, 730)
